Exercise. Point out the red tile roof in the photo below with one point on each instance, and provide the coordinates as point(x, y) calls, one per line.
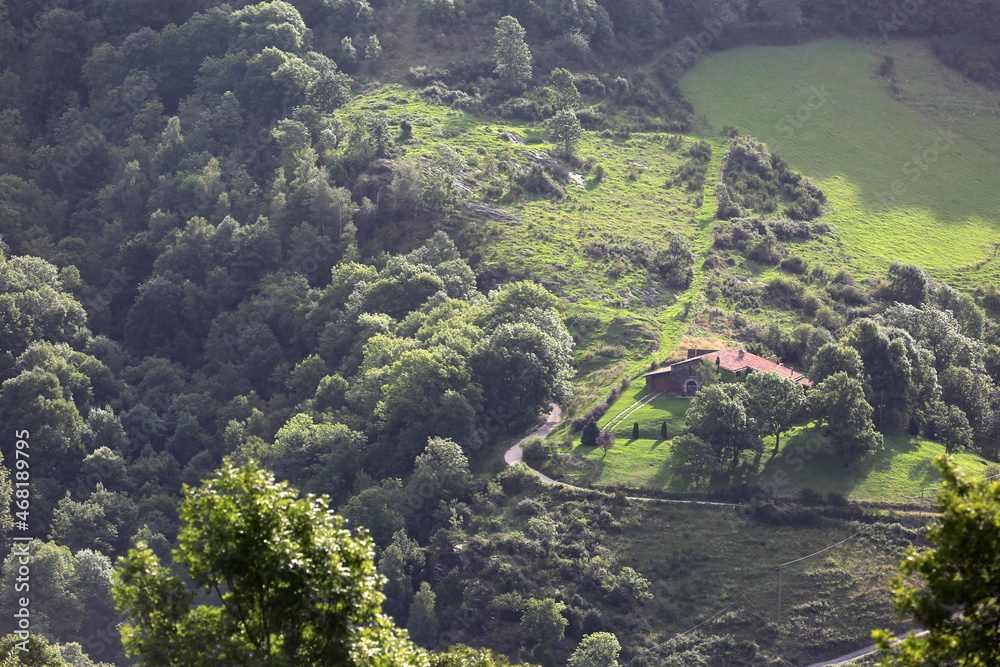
point(731, 360)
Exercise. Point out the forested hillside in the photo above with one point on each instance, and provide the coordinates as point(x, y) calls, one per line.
point(303, 234)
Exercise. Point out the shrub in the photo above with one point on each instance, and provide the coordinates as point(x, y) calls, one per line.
point(886, 66)
point(588, 84)
point(405, 130)
point(538, 451)
point(591, 432)
point(809, 496)
point(591, 119)
point(521, 109)
point(507, 606)
point(836, 499)
point(529, 506)
point(539, 181)
point(785, 292)
point(795, 264)
point(517, 479)
point(593, 414)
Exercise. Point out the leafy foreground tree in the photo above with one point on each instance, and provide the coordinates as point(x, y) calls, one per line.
point(960, 604)
point(278, 581)
point(599, 649)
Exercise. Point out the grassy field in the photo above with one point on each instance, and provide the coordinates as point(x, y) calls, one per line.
point(701, 560)
point(908, 179)
point(899, 472)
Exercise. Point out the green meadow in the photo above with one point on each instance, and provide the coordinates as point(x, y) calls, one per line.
point(909, 175)
point(899, 473)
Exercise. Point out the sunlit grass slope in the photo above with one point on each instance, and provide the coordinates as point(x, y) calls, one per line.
point(906, 182)
point(897, 473)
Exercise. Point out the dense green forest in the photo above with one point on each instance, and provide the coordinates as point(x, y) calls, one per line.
point(210, 252)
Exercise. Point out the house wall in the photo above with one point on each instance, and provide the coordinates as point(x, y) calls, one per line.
point(684, 371)
point(681, 373)
point(658, 382)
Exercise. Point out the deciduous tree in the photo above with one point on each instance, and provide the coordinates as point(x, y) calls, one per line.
point(543, 620)
point(718, 415)
point(776, 403)
point(512, 55)
point(565, 130)
point(695, 457)
point(957, 600)
point(287, 583)
point(598, 649)
point(839, 402)
point(423, 624)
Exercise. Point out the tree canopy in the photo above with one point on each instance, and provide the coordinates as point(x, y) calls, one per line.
point(955, 595)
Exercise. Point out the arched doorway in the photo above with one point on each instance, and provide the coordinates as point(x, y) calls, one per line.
point(691, 388)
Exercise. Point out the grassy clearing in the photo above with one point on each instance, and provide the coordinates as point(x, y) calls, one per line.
point(700, 560)
point(903, 185)
point(897, 473)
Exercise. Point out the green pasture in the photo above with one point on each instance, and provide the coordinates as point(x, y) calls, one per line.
point(637, 317)
point(907, 179)
point(897, 473)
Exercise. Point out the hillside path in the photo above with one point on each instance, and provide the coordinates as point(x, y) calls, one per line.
point(515, 455)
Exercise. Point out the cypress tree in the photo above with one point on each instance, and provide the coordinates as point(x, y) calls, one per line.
point(663, 431)
point(635, 430)
point(590, 433)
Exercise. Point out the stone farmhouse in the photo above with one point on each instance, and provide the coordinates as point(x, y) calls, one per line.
point(683, 378)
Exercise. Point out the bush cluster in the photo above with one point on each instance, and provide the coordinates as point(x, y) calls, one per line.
point(760, 181)
point(674, 260)
point(691, 175)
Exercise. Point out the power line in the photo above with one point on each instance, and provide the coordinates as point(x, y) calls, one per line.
point(777, 569)
point(822, 550)
point(710, 618)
